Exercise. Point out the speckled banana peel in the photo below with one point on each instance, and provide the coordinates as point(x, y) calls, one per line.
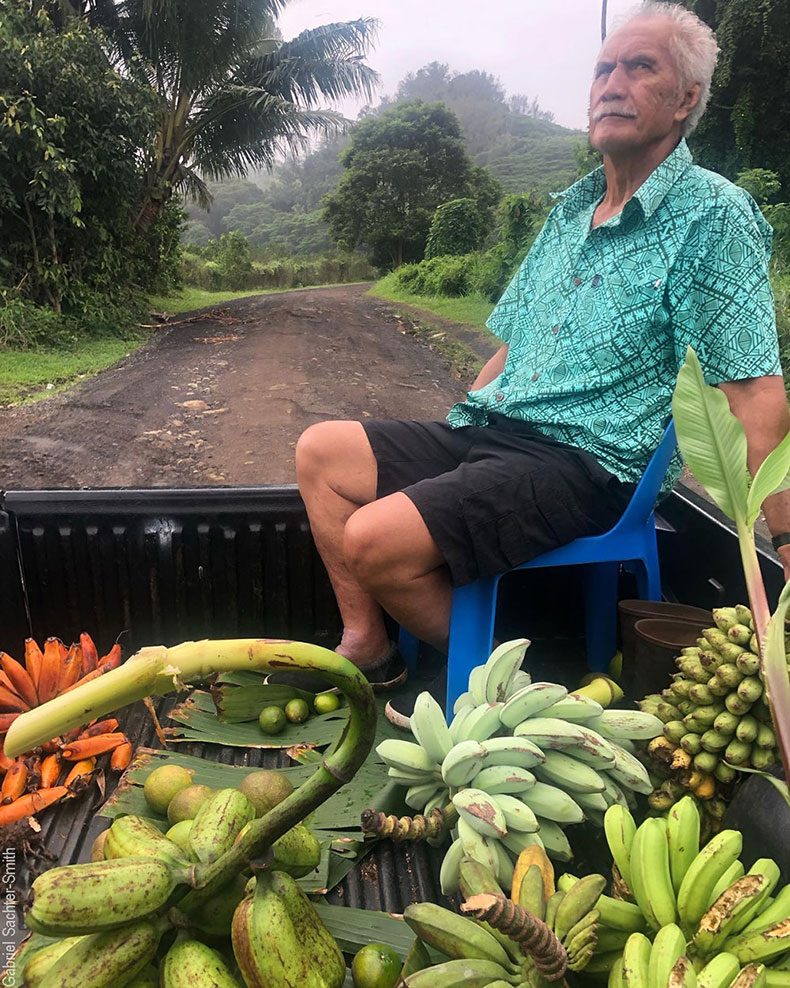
point(86, 898)
point(111, 959)
point(192, 964)
point(218, 823)
point(457, 937)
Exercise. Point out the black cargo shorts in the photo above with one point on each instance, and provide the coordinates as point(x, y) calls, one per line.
point(494, 497)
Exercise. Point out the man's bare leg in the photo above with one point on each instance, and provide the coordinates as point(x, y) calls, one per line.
point(337, 474)
point(390, 552)
point(385, 557)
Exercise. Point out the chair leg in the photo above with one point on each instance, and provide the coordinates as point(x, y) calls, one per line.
point(409, 647)
point(648, 573)
point(600, 614)
point(471, 635)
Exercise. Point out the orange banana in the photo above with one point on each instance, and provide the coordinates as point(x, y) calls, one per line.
point(20, 680)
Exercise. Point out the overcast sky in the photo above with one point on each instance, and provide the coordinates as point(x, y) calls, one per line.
point(543, 48)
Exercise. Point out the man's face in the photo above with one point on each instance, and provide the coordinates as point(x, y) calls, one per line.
point(635, 98)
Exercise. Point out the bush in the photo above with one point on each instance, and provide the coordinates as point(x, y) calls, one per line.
point(457, 229)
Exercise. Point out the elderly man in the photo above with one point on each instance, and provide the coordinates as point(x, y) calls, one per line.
point(638, 260)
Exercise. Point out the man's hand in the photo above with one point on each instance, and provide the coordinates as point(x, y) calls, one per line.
point(761, 405)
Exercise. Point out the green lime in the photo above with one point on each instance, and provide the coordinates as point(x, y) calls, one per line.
point(163, 784)
point(297, 711)
point(325, 703)
point(271, 720)
point(375, 966)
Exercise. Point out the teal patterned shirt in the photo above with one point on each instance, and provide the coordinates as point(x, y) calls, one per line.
point(598, 321)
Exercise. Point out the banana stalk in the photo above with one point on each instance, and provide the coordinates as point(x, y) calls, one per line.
point(157, 670)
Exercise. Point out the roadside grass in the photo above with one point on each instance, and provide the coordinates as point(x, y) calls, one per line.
point(29, 374)
point(189, 298)
point(470, 309)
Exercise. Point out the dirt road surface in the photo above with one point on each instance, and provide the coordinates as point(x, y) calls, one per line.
point(222, 399)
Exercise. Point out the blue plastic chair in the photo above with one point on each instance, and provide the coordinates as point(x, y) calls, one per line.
point(631, 541)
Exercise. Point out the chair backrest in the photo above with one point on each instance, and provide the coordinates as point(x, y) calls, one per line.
point(643, 500)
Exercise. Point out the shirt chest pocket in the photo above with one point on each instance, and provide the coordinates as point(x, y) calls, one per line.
point(620, 306)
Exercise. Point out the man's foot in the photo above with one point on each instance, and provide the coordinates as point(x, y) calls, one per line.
point(385, 674)
point(399, 709)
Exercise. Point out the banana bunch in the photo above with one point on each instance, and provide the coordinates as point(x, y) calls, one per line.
point(518, 946)
point(279, 940)
point(715, 715)
point(518, 763)
point(700, 904)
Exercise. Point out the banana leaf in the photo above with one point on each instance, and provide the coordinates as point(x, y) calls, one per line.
point(198, 721)
point(355, 928)
point(236, 704)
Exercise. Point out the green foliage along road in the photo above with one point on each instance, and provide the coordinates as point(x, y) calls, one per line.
point(399, 166)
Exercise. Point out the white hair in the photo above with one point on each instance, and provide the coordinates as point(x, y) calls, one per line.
point(693, 47)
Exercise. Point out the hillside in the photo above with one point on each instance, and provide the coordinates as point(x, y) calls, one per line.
point(512, 136)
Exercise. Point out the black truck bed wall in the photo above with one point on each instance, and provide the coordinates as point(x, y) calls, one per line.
point(172, 565)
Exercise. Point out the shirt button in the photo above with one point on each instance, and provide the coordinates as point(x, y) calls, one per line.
point(577, 282)
point(535, 376)
point(555, 330)
point(499, 396)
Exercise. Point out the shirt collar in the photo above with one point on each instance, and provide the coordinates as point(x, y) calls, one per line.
point(649, 195)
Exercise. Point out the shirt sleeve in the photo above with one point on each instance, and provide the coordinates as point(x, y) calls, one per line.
point(723, 305)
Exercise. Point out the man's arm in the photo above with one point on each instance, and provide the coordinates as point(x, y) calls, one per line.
point(761, 405)
point(493, 368)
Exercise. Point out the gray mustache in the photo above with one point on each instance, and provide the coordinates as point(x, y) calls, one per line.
point(607, 112)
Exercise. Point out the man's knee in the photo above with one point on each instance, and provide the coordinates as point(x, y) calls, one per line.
point(363, 551)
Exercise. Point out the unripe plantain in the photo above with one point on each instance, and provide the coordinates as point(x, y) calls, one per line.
point(218, 822)
point(84, 898)
point(191, 964)
point(110, 959)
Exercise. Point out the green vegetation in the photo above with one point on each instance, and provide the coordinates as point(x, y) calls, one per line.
point(188, 299)
point(28, 374)
point(399, 166)
point(470, 309)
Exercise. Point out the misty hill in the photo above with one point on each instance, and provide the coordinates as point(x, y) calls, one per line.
point(511, 136)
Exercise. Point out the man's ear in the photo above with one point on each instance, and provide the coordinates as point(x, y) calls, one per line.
point(690, 100)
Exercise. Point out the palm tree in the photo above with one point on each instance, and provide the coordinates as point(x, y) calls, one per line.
point(232, 94)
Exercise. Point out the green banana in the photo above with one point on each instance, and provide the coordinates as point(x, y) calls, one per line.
point(594, 749)
point(218, 822)
point(760, 945)
point(43, 960)
point(703, 874)
point(550, 733)
point(636, 725)
point(628, 771)
point(668, 946)
point(778, 910)
point(516, 841)
point(651, 879)
point(101, 895)
point(532, 892)
point(682, 974)
point(777, 978)
point(553, 903)
point(506, 863)
point(609, 940)
point(279, 940)
point(620, 828)
point(474, 879)
point(191, 964)
point(636, 960)
point(518, 816)
point(463, 762)
point(430, 728)
point(483, 722)
point(574, 707)
point(616, 977)
point(418, 796)
point(477, 684)
point(464, 700)
point(751, 976)
point(768, 871)
point(723, 915)
point(579, 900)
point(683, 826)
point(504, 779)
point(564, 770)
point(481, 812)
point(511, 751)
point(215, 915)
point(459, 974)
point(134, 837)
point(457, 937)
point(529, 701)
point(719, 971)
point(501, 666)
point(450, 871)
point(459, 719)
point(554, 840)
point(592, 802)
point(417, 959)
point(406, 756)
point(110, 959)
point(732, 874)
point(477, 846)
point(553, 803)
point(616, 914)
point(298, 851)
point(147, 978)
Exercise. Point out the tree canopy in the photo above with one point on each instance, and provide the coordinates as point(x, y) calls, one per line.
point(399, 166)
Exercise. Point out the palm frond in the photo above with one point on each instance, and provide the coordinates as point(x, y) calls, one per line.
point(194, 188)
